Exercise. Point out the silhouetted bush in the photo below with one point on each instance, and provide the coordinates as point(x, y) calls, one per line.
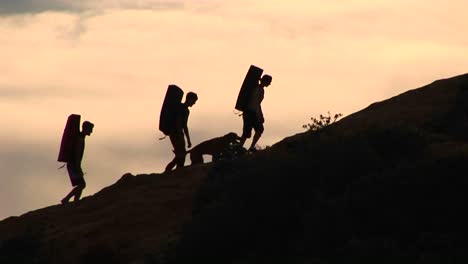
point(322, 121)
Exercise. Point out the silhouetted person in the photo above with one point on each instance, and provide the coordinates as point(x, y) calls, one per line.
point(177, 137)
point(253, 116)
point(74, 165)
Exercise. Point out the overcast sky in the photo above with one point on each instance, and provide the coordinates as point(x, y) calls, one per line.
point(111, 62)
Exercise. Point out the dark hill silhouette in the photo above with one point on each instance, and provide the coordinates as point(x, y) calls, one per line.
point(384, 185)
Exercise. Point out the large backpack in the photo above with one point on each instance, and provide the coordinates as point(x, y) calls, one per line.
point(70, 134)
point(170, 108)
point(250, 82)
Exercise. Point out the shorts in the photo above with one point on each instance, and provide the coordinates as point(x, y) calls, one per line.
point(251, 121)
point(76, 174)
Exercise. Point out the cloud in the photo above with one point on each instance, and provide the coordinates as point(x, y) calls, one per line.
point(142, 4)
point(28, 94)
point(12, 7)
point(19, 94)
point(17, 7)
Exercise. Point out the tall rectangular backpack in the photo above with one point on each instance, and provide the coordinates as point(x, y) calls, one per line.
point(69, 136)
point(171, 104)
point(250, 82)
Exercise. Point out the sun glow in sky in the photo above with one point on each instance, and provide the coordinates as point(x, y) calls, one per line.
point(111, 62)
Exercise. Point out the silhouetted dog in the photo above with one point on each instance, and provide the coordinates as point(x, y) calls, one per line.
point(213, 147)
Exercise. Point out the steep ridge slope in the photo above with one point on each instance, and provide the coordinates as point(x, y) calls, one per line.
point(131, 220)
point(384, 184)
point(441, 105)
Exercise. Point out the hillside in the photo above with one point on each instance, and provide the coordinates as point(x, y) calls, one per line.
point(132, 219)
point(385, 185)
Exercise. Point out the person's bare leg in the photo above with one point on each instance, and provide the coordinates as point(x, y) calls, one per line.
point(255, 139)
point(66, 199)
point(75, 192)
point(180, 159)
point(78, 191)
point(170, 165)
point(242, 141)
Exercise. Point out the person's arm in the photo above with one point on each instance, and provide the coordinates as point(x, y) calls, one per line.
point(187, 135)
point(260, 95)
point(186, 130)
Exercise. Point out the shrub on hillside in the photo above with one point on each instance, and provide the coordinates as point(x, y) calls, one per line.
point(321, 122)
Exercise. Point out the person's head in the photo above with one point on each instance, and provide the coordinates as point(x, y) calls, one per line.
point(87, 128)
point(191, 98)
point(265, 80)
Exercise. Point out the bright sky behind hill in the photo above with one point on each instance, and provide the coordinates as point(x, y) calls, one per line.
point(111, 62)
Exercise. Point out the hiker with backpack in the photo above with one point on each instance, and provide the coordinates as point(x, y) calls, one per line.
point(71, 152)
point(179, 119)
point(252, 115)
